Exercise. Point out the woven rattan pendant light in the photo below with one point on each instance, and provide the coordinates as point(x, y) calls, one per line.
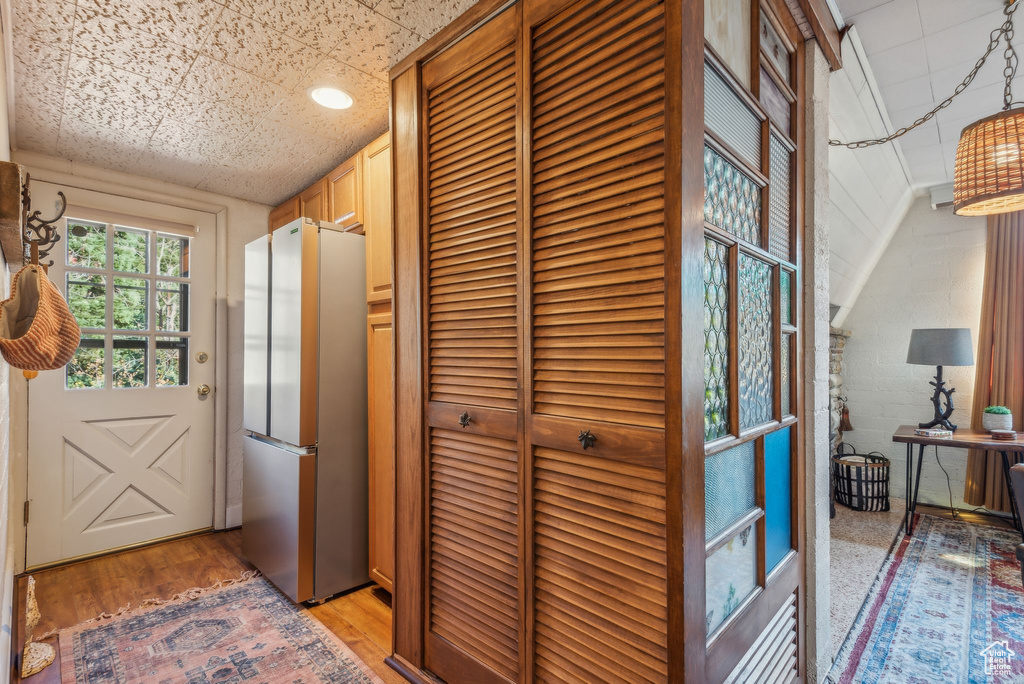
point(988, 175)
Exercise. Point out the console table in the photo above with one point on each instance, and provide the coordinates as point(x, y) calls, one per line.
point(964, 438)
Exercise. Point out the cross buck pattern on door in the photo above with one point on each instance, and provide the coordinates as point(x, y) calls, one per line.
point(129, 291)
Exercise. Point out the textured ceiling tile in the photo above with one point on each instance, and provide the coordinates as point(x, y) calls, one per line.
point(365, 39)
point(185, 22)
point(109, 112)
point(199, 112)
point(41, 38)
point(171, 167)
point(287, 16)
point(262, 51)
point(423, 18)
point(90, 144)
point(219, 82)
point(90, 78)
point(369, 94)
point(193, 143)
point(120, 45)
point(255, 186)
point(36, 130)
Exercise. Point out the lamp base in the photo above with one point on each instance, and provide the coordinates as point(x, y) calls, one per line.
point(942, 413)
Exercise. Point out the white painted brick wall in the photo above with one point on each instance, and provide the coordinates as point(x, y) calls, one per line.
point(929, 277)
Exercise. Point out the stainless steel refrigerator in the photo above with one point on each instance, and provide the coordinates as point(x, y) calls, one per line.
point(304, 501)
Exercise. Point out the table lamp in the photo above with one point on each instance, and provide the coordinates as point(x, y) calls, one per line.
point(941, 347)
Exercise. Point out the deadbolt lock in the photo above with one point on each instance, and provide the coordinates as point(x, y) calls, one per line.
point(203, 390)
point(202, 357)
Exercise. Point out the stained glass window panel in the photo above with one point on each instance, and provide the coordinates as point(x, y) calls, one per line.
point(777, 497)
point(787, 373)
point(773, 46)
point(786, 296)
point(731, 576)
point(730, 118)
point(728, 488)
point(755, 333)
point(732, 201)
point(780, 174)
point(716, 339)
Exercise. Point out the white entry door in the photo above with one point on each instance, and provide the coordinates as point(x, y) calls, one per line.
point(121, 441)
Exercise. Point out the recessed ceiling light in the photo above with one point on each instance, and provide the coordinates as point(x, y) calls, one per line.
point(332, 98)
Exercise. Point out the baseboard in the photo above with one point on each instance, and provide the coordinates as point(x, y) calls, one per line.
point(233, 516)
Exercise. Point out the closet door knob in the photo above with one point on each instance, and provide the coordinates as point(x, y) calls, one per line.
point(464, 419)
point(586, 439)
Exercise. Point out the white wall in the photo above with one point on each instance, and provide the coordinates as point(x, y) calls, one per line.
point(930, 276)
point(238, 221)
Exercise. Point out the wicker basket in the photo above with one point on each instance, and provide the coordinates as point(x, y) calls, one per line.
point(861, 481)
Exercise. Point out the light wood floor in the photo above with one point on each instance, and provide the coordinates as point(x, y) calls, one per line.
point(71, 594)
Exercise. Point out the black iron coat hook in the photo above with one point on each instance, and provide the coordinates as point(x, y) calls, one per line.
point(39, 234)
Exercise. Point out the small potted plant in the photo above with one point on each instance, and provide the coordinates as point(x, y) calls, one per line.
point(997, 418)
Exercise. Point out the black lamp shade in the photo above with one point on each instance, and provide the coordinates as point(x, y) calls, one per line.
point(941, 347)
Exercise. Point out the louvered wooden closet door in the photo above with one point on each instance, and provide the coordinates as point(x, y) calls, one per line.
point(597, 241)
point(472, 337)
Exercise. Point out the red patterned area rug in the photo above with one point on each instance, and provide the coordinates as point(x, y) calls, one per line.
point(948, 606)
point(246, 632)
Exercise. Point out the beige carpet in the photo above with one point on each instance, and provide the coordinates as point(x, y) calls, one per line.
point(860, 544)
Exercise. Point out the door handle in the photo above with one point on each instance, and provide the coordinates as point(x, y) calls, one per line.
point(203, 390)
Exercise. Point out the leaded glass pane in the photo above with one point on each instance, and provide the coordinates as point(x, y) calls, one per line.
point(772, 45)
point(755, 320)
point(775, 102)
point(728, 487)
point(778, 198)
point(731, 577)
point(786, 375)
point(716, 339)
point(777, 497)
point(785, 296)
point(730, 118)
point(732, 201)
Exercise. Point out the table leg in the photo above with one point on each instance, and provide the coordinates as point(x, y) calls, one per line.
point(906, 488)
point(1009, 490)
point(917, 488)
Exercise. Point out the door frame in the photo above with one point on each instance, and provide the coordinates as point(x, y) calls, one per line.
point(19, 386)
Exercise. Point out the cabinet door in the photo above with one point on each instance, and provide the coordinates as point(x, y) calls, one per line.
point(382, 448)
point(345, 194)
point(473, 225)
point(596, 384)
point(313, 202)
point(285, 213)
point(377, 211)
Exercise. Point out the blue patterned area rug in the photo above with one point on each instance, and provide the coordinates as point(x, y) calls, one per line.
point(246, 632)
point(948, 606)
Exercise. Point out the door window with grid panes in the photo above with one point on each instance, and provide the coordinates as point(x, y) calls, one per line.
point(129, 290)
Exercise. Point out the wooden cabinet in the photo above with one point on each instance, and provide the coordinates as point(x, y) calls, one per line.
point(376, 172)
point(381, 448)
point(313, 202)
point(284, 213)
point(549, 329)
point(345, 193)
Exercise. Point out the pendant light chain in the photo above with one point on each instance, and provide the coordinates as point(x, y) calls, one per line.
point(1004, 32)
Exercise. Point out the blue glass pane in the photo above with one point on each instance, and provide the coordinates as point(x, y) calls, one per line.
point(728, 487)
point(731, 575)
point(777, 497)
